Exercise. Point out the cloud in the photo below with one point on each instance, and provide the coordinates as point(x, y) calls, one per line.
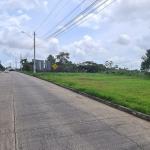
point(92, 21)
point(127, 11)
point(10, 33)
point(91, 49)
point(24, 45)
point(143, 42)
point(20, 4)
point(86, 49)
point(13, 42)
point(11, 22)
point(124, 39)
point(45, 3)
point(132, 10)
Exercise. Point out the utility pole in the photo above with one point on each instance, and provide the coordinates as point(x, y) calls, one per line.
point(15, 64)
point(20, 62)
point(34, 44)
point(34, 65)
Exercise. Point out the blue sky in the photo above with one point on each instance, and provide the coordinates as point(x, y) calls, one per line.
point(120, 33)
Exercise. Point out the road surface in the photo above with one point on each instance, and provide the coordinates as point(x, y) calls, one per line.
point(37, 115)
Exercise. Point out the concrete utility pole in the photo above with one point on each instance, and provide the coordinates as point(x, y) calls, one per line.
point(16, 66)
point(34, 65)
point(20, 62)
point(34, 43)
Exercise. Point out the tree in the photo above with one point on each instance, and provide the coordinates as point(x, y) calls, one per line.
point(90, 66)
point(62, 58)
point(51, 59)
point(109, 64)
point(90, 63)
point(26, 66)
point(1, 67)
point(145, 65)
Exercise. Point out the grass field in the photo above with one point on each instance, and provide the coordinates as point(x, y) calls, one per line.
point(129, 91)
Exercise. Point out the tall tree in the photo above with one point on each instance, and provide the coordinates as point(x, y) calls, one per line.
point(145, 65)
point(51, 59)
point(26, 66)
point(62, 58)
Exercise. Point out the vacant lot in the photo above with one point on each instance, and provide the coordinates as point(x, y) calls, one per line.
point(129, 91)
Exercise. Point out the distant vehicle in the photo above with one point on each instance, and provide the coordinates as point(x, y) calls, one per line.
point(6, 71)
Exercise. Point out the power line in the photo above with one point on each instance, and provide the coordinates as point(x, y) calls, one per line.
point(81, 13)
point(67, 16)
point(75, 22)
point(81, 21)
point(98, 11)
point(26, 34)
point(80, 17)
point(49, 14)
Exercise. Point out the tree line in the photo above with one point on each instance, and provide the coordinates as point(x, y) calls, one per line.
point(62, 63)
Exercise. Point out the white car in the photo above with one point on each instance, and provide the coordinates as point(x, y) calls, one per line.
point(6, 71)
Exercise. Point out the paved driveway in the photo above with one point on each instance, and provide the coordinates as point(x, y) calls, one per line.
point(37, 115)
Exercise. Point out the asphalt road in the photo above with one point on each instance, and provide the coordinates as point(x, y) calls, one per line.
point(37, 115)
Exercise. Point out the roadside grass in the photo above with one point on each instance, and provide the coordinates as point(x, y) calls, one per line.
point(129, 91)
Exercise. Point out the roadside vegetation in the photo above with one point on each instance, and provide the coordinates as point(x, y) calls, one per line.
point(129, 91)
point(1, 67)
point(129, 88)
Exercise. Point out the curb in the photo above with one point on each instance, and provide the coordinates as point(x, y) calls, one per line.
point(113, 105)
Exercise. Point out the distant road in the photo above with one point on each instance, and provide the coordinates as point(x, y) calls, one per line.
point(37, 115)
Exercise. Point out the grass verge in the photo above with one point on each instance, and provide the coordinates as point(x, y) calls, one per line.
point(128, 91)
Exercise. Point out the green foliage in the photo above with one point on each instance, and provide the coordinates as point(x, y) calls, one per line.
point(62, 58)
point(109, 64)
point(1, 67)
point(51, 59)
point(90, 67)
point(26, 66)
point(145, 66)
point(65, 65)
point(128, 91)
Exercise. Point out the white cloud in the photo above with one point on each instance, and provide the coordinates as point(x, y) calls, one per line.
point(10, 35)
point(45, 3)
point(92, 21)
point(144, 42)
point(8, 22)
point(20, 4)
point(128, 11)
point(87, 49)
point(132, 10)
point(124, 39)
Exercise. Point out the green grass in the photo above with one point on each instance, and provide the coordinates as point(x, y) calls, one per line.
point(129, 91)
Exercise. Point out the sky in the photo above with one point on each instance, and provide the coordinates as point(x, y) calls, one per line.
point(119, 33)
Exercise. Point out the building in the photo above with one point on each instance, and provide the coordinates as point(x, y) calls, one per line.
point(42, 65)
point(39, 65)
point(47, 66)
